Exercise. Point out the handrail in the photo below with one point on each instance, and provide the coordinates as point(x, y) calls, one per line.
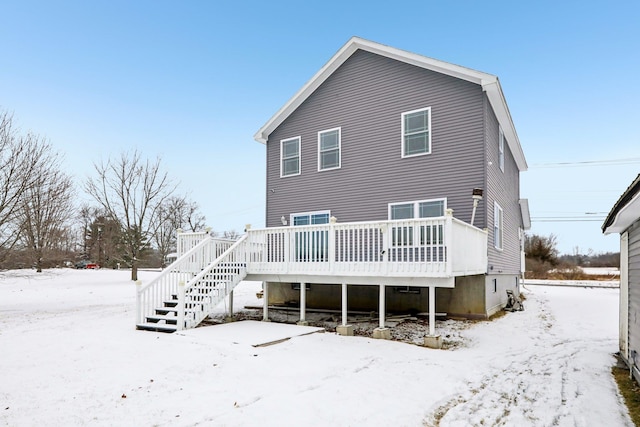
point(171, 267)
point(213, 291)
point(214, 263)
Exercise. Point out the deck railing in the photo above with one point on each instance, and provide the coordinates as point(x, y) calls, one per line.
point(429, 247)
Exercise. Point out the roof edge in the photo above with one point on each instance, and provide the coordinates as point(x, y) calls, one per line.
point(622, 214)
point(489, 83)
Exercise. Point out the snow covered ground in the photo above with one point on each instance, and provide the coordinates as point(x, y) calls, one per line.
point(70, 356)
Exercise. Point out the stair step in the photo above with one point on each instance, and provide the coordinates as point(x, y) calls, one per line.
point(156, 327)
point(168, 320)
point(167, 310)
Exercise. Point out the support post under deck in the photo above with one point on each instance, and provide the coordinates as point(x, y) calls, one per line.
point(382, 332)
point(303, 305)
point(344, 329)
point(265, 307)
point(432, 340)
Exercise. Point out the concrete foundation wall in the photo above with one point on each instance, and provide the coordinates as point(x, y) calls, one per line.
point(467, 299)
point(497, 286)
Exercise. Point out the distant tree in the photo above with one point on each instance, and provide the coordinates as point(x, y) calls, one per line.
point(45, 206)
point(19, 157)
point(131, 191)
point(86, 215)
point(231, 235)
point(542, 248)
point(541, 254)
point(104, 241)
point(176, 213)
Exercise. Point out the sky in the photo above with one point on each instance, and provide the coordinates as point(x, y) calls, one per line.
point(191, 82)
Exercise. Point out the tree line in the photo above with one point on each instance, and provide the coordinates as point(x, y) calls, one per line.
point(132, 220)
point(542, 259)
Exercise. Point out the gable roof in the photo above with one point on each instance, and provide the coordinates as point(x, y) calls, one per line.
point(489, 83)
point(626, 211)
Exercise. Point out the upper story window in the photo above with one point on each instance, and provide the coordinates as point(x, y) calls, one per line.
point(416, 132)
point(501, 150)
point(329, 149)
point(498, 219)
point(290, 157)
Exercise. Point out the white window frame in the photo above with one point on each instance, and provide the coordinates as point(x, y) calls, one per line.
point(339, 148)
point(416, 206)
point(498, 226)
point(309, 214)
point(402, 134)
point(282, 159)
point(501, 149)
point(407, 235)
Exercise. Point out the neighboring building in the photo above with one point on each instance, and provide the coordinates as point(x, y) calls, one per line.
point(624, 218)
point(393, 184)
point(383, 134)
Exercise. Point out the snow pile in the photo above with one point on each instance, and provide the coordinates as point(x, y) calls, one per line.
point(70, 355)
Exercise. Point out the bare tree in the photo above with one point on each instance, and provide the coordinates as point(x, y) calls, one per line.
point(131, 191)
point(170, 219)
point(231, 235)
point(45, 205)
point(194, 219)
point(175, 213)
point(19, 156)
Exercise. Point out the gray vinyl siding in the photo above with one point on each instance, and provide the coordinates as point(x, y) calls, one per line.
point(634, 292)
point(503, 188)
point(365, 97)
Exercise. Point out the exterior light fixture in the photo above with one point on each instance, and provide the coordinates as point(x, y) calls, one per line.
point(476, 195)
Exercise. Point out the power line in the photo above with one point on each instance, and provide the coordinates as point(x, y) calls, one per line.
point(611, 162)
point(568, 220)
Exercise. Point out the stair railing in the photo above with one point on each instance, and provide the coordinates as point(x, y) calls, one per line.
point(164, 286)
point(212, 284)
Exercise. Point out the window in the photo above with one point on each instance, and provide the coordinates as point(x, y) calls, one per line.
point(432, 234)
point(329, 149)
point(420, 209)
point(416, 132)
point(501, 150)
point(310, 218)
point(497, 226)
point(311, 245)
point(290, 157)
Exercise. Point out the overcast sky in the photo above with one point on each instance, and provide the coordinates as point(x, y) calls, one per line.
point(193, 81)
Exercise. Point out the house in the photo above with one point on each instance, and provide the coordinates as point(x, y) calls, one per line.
point(393, 185)
point(624, 218)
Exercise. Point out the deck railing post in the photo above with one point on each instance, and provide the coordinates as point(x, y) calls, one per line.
point(181, 306)
point(386, 248)
point(332, 243)
point(287, 249)
point(448, 241)
point(139, 315)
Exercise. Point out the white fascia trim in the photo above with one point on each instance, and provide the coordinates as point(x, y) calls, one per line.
point(500, 108)
point(629, 214)
point(489, 83)
point(526, 216)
